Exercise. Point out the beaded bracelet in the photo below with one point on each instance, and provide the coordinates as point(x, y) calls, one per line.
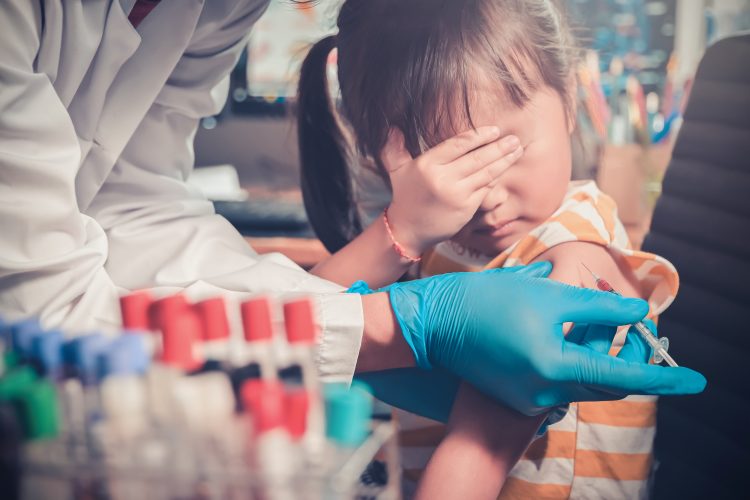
point(396, 245)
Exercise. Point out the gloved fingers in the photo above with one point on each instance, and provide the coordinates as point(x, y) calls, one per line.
point(577, 333)
point(635, 348)
point(596, 337)
point(586, 394)
point(535, 270)
point(429, 393)
point(582, 305)
point(620, 376)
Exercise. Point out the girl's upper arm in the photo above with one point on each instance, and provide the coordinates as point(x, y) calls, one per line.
point(567, 266)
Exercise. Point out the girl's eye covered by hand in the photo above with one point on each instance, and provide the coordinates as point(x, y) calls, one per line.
point(437, 193)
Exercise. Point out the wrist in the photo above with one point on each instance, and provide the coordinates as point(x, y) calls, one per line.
point(383, 344)
point(403, 238)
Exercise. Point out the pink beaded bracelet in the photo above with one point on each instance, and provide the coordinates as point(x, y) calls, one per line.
point(396, 245)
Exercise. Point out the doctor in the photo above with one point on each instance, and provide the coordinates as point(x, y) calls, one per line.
point(99, 103)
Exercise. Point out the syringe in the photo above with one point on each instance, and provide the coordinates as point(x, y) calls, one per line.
point(660, 345)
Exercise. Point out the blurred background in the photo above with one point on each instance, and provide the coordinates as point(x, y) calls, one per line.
point(635, 76)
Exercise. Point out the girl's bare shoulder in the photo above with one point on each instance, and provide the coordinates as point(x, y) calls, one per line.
point(567, 266)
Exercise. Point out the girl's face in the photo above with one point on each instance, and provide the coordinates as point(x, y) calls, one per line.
point(533, 188)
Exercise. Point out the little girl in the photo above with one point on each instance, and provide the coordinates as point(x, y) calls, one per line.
point(412, 74)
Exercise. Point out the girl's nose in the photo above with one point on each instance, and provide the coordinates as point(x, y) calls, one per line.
point(495, 197)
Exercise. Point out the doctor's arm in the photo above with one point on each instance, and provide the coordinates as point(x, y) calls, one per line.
point(67, 265)
point(51, 255)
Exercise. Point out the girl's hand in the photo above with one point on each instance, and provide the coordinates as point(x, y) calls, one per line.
point(437, 193)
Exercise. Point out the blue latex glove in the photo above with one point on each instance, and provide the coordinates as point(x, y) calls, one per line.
point(502, 332)
point(429, 393)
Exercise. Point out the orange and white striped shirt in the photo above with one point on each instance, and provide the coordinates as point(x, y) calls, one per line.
point(598, 450)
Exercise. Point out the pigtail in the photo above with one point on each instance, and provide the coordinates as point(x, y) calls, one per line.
point(325, 178)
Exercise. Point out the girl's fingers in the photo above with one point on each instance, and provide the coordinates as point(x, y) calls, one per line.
point(486, 155)
point(457, 146)
point(485, 176)
point(394, 154)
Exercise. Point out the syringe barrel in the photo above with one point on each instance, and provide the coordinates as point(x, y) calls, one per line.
point(647, 334)
point(653, 341)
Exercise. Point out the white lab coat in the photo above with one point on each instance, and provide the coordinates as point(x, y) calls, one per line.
point(96, 127)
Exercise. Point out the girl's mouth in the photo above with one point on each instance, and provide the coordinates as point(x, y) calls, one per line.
point(501, 228)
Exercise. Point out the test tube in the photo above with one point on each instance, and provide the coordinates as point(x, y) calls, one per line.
point(131, 444)
point(35, 403)
point(301, 333)
point(135, 308)
point(212, 314)
point(273, 455)
point(258, 329)
point(206, 405)
point(82, 354)
point(122, 367)
point(348, 420)
point(179, 330)
point(178, 394)
point(22, 335)
point(47, 352)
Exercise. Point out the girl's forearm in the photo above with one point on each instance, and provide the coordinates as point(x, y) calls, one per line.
point(369, 257)
point(483, 443)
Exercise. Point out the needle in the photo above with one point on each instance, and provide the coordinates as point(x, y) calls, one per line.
point(659, 345)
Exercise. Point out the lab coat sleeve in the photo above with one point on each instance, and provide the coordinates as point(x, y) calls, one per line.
point(163, 234)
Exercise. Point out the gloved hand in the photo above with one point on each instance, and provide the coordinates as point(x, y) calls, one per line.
point(430, 393)
point(502, 332)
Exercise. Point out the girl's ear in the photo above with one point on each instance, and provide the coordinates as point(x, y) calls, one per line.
point(572, 96)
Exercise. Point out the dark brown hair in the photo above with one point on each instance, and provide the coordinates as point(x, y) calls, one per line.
point(412, 64)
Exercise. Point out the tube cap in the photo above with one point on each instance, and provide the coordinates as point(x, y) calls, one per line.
point(256, 319)
point(265, 399)
point(162, 310)
point(82, 354)
point(348, 413)
point(35, 399)
point(180, 329)
point(299, 322)
point(179, 336)
point(134, 308)
point(22, 335)
point(16, 381)
point(46, 349)
point(297, 404)
point(213, 317)
point(125, 355)
point(40, 414)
